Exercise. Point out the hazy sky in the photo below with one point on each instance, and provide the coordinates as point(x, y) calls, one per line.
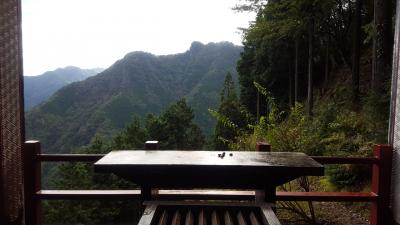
point(96, 33)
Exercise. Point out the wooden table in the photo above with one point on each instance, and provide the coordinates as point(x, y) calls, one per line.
point(209, 169)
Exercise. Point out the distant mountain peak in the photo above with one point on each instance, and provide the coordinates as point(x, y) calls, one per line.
point(196, 46)
point(138, 53)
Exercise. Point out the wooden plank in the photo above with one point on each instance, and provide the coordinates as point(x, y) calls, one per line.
point(95, 157)
point(345, 160)
point(148, 215)
point(214, 218)
point(327, 196)
point(163, 218)
point(69, 157)
point(205, 195)
point(228, 218)
point(88, 194)
point(202, 218)
point(176, 220)
point(253, 219)
point(240, 218)
point(189, 218)
point(188, 204)
point(268, 216)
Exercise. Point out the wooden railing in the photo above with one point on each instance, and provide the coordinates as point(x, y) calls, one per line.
point(378, 197)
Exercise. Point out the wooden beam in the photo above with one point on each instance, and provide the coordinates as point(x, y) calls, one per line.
point(206, 195)
point(327, 196)
point(69, 157)
point(32, 183)
point(345, 160)
point(88, 194)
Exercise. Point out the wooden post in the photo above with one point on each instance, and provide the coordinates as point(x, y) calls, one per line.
point(147, 192)
point(32, 183)
point(151, 145)
point(267, 195)
point(381, 184)
point(263, 147)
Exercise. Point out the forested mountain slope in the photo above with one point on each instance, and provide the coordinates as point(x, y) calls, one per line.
point(138, 84)
point(39, 88)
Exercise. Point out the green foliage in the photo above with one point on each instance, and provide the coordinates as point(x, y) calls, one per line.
point(231, 117)
point(294, 133)
point(174, 128)
point(132, 137)
point(335, 129)
point(78, 176)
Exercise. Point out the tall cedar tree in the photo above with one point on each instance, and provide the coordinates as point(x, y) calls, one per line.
point(356, 51)
point(382, 43)
point(267, 54)
point(229, 108)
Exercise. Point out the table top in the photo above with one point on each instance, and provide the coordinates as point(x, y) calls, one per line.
point(208, 169)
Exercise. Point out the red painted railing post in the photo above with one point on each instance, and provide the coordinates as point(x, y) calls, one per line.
point(32, 183)
point(263, 147)
point(381, 179)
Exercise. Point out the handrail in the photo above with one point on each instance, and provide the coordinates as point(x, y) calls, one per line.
point(345, 160)
point(379, 196)
point(69, 157)
point(95, 157)
point(205, 195)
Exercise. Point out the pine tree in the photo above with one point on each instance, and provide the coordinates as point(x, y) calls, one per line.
point(230, 111)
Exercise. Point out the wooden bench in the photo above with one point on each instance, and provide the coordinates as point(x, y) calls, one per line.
point(207, 213)
point(177, 170)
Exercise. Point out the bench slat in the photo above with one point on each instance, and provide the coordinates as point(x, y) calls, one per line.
point(253, 219)
point(202, 218)
point(228, 218)
point(240, 219)
point(214, 218)
point(189, 218)
point(163, 218)
point(269, 215)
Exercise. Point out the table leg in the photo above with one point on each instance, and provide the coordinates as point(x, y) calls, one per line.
point(145, 193)
point(270, 194)
point(267, 195)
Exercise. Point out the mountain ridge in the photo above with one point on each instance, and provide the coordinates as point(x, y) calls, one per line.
point(138, 84)
point(38, 89)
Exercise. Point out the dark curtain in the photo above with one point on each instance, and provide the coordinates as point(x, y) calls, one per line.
point(11, 113)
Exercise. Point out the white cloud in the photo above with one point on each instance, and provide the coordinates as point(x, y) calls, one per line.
point(96, 33)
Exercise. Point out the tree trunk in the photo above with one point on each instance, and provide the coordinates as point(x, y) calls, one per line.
point(356, 52)
point(327, 63)
point(383, 44)
point(296, 71)
point(310, 69)
point(290, 85)
point(258, 106)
